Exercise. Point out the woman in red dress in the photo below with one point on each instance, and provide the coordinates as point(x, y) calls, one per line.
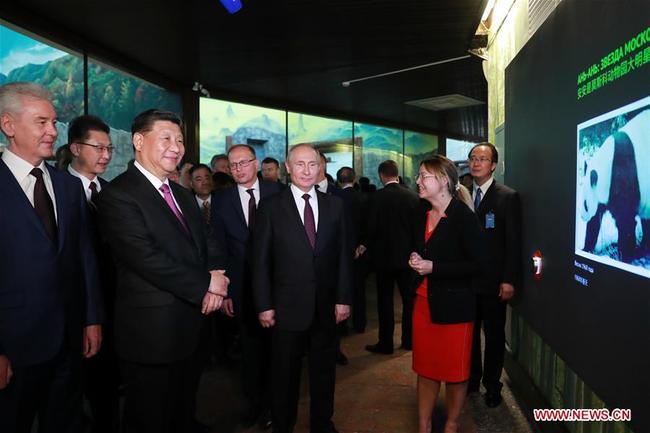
point(449, 252)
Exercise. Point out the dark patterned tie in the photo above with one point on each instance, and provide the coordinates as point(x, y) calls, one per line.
point(93, 195)
point(43, 204)
point(205, 209)
point(310, 224)
point(252, 207)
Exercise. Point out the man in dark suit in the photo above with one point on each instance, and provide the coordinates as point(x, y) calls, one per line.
point(271, 171)
point(324, 185)
point(157, 238)
point(356, 206)
point(389, 245)
point(91, 148)
point(498, 210)
point(50, 302)
point(302, 288)
point(233, 219)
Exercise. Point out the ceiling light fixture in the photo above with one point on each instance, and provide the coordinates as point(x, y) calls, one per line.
point(232, 6)
point(413, 68)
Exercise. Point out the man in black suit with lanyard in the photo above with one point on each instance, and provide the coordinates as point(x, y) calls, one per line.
point(498, 210)
point(302, 287)
point(164, 289)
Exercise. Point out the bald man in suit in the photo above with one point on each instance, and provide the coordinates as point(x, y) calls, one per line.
point(304, 294)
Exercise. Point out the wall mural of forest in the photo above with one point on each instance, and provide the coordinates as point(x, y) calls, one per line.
point(114, 96)
point(117, 98)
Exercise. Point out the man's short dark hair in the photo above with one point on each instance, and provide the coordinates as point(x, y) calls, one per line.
point(388, 168)
point(495, 152)
point(144, 121)
point(80, 127)
point(199, 166)
point(250, 148)
point(345, 175)
point(269, 160)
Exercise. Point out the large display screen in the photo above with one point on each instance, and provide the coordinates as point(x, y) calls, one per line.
point(577, 135)
point(613, 188)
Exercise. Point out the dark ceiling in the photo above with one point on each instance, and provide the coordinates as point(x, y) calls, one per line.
point(290, 54)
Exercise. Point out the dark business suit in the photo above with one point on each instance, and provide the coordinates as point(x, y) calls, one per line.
point(504, 256)
point(162, 279)
point(233, 241)
point(390, 227)
point(303, 285)
point(48, 292)
point(102, 378)
point(356, 206)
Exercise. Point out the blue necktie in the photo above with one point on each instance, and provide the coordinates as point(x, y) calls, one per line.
point(477, 198)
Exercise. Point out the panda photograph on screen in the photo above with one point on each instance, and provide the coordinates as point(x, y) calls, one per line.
point(613, 188)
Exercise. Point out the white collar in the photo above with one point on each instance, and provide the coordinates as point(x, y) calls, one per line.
point(157, 183)
point(254, 187)
point(298, 193)
point(19, 167)
point(485, 186)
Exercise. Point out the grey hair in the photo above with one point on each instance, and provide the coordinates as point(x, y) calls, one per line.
point(291, 150)
point(11, 93)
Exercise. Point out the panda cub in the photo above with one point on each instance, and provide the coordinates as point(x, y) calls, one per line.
point(617, 179)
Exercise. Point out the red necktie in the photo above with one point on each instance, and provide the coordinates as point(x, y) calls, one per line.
point(310, 224)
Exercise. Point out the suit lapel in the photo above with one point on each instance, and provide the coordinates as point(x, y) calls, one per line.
point(62, 201)
point(324, 216)
point(195, 226)
point(236, 204)
point(488, 196)
point(149, 193)
point(10, 187)
point(294, 218)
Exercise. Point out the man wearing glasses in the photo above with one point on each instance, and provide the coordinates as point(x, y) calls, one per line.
point(232, 220)
point(91, 149)
point(90, 144)
point(498, 210)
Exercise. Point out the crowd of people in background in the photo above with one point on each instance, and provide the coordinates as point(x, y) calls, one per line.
point(129, 289)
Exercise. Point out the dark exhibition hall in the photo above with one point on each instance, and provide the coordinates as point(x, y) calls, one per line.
point(299, 216)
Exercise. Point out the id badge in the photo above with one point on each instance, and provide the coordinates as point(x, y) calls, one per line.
point(489, 220)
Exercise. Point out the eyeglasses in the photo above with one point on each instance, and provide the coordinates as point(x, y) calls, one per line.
point(240, 164)
point(98, 147)
point(423, 176)
point(481, 159)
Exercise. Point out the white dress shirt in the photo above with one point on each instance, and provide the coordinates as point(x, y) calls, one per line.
point(85, 182)
point(300, 203)
point(157, 183)
point(21, 170)
point(244, 197)
point(200, 201)
point(484, 188)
